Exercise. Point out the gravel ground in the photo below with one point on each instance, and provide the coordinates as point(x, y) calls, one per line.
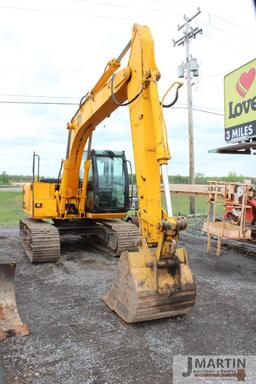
point(75, 338)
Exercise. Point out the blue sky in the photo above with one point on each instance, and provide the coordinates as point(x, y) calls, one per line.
point(59, 49)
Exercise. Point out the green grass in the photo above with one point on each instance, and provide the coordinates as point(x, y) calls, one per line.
point(181, 205)
point(10, 208)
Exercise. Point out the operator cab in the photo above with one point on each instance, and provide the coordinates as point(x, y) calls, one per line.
point(108, 182)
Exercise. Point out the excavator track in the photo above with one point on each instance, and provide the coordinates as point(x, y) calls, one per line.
point(40, 240)
point(127, 234)
point(127, 237)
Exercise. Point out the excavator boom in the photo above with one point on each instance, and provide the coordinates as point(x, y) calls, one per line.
point(154, 281)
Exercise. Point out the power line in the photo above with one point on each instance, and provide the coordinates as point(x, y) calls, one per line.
point(217, 109)
point(38, 96)
point(37, 102)
point(206, 111)
point(202, 107)
point(72, 13)
point(41, 69)
point(200, 110)
point(208, 12)
point(123, 6)
point(227, 44)
point(60, 12)
point(69, 98)
point(229, 33)
point(212, 85)
point(169, 3)
point(218, 41)
point(83, 70)
point(77, 104)
point(229, 21)
point(213, 75)
point(218, 86)
point(69, 13)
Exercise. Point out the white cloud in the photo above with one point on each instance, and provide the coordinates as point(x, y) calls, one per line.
point(63, 49)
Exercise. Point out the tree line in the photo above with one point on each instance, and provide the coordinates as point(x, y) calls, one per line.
point(6, 179)
point(200, 178)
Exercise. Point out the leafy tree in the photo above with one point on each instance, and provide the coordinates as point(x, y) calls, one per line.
point(4, 178)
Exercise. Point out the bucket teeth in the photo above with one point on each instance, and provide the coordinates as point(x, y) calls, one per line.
point(10, 321)
point(133, 297)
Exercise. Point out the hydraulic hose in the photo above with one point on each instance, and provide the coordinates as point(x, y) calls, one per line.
point(179, 85)
point(127, 102)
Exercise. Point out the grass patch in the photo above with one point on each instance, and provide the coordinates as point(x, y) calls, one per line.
point(181, 205)
point(10, 208)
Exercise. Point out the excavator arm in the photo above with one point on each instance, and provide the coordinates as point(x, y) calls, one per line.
point(136, 83)
point(156, 281)
point(98, 105)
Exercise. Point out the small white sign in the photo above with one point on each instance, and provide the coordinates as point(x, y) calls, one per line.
point(216, 369)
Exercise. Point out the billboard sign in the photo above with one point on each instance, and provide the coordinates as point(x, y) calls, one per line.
point(240, 103)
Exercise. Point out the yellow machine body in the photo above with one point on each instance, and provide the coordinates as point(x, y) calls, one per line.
point(155, 281)
point(40, 201)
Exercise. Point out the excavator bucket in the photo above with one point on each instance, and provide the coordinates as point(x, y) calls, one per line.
point(141, 292)
point(10, 322)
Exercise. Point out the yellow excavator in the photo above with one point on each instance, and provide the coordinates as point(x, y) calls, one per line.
point(153, 276)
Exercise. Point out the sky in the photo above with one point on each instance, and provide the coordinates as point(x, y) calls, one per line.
point(55, 51)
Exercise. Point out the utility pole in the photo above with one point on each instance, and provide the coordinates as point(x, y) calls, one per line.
point(191, 68)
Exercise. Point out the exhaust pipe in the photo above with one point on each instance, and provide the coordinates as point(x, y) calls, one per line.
point(10, 321)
